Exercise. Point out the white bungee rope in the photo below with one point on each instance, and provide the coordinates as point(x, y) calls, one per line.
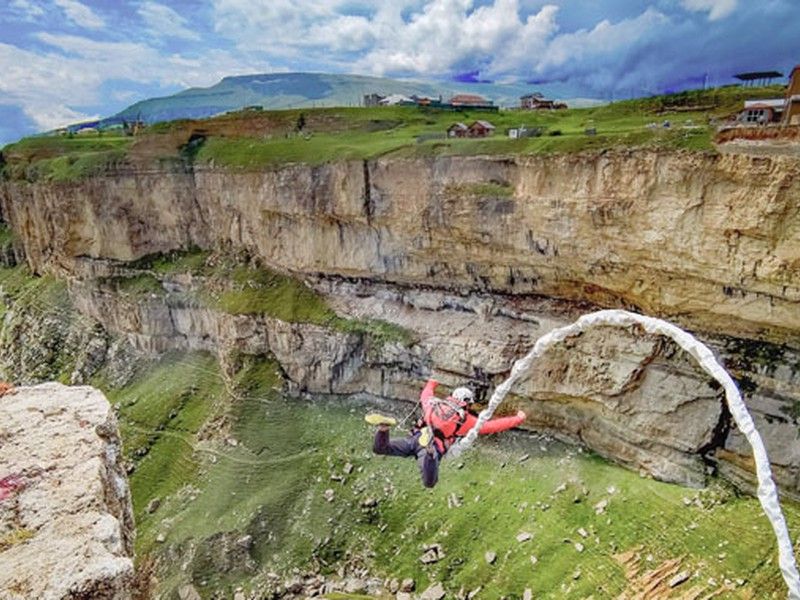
point(767, 492)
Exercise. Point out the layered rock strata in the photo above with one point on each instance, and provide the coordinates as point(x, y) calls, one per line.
point(66, 520)
point(710, 239)
point(478, 257)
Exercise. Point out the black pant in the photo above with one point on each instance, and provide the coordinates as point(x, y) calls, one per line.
point(409, 446)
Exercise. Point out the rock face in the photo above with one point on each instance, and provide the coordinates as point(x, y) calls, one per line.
point(712, 238)
point(66, 525)
point(478, 257)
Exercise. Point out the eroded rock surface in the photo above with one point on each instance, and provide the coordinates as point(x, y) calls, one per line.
point(66, 523)
point(708, 241)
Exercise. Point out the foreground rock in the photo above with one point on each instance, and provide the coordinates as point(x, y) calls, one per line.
point(66, 523)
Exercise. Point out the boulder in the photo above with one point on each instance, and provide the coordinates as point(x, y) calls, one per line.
point(70, 515)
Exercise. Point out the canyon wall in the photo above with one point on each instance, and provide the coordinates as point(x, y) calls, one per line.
point(477, 257)
point(713, 240)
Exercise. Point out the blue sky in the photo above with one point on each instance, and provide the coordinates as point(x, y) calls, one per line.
point(63, 61)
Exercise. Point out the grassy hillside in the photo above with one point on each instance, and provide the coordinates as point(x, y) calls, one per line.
point(265, 468)
point(262, 139)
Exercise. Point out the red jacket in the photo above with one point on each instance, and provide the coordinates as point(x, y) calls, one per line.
point(491, 426)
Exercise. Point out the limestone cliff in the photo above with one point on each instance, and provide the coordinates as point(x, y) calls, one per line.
point(65, 514)
point(477, 257)
point(710, 239)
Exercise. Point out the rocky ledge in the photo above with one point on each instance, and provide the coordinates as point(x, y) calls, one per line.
point(66, 522)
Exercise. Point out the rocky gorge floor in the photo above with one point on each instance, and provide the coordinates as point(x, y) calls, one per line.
point(284, 499)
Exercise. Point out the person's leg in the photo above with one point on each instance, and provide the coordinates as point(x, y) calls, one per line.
point(393, 447)
point(428, 461)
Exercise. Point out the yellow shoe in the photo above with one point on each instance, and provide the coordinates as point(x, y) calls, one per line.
point(425, 437)
point(378, 419)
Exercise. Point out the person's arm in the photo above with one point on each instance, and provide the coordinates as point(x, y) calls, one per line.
point(493, 425)
point(426, 394)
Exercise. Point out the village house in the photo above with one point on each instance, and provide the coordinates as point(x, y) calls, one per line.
point(784, 110)
point(480, 129)
point(471, 101)
point(791, 109)
point(537, 101)
point(457, 130)
point(761, 112)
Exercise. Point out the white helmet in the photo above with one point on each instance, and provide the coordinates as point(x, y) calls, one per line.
point(463, 394)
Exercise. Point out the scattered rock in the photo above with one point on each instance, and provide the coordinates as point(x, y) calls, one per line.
point(232, 442)
point(434, 592)
point(524, 457)
point(474, 593)
point(534, 560)
point(560, 488)
point(328, 495)
point(523, 536)
point(239, 596)
point(348, 468)
point(246, 542)
point(579, 547)
point(527, 594)
point(576, 574)
point(161, 538)
point(679, 579)
point(394, 586)
point(404, 596)
point(600, 507)
point(582, 532)
point(188, 592)
point(369, 503)
point(355, 586)
point(453, 501)
point(408, 585)
point(490, 557)
point(153, 505)
point(432, 554)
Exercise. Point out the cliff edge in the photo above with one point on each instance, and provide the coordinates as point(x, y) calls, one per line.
point(66, 521)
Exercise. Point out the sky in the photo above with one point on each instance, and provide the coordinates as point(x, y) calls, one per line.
point(63, 61)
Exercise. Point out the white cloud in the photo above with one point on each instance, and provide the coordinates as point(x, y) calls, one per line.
point(289, 28)
point(80, 14)
point(26, 9)
point(448, 36)
point(163, 20)
point(52, 86)
point(435, 37)
point(717, 9)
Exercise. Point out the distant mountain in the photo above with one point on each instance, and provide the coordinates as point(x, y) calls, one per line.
point(303, 90)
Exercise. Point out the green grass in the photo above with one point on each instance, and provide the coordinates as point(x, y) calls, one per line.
point(270, 485)
point(265, 139)
point(63, 158)
point(160, 416)
point(137, 286)
point(38, 326)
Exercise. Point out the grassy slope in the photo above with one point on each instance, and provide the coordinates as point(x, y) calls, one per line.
point(271, 484)
point(235, 288)
point(178, 413)
point(268, 138)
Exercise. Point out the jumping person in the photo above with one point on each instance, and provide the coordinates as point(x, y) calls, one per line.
point(443, 421)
